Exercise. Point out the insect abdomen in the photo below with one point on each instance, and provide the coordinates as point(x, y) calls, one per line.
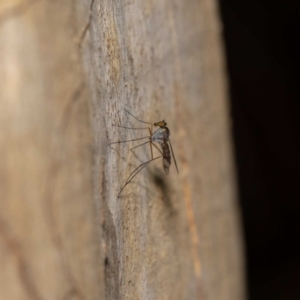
point(166, 157)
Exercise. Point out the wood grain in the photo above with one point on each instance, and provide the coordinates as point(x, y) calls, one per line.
point(68, 70)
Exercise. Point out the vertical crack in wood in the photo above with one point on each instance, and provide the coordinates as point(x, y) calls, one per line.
point(111, 261)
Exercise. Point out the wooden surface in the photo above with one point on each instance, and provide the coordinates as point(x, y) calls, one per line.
point(68, 70)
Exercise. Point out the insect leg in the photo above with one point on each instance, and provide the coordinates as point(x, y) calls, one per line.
point(150, 131)
point(173, 156)
point(140, 145)
point(135, 172)
point(136, 128)
point(137, 118)
point(119, 142)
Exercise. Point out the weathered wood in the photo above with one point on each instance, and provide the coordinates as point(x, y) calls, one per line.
point(68, 70)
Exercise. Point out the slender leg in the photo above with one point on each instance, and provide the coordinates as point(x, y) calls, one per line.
point(158, 149)
point(137, 118)
point(135, 172)
point(135, 128)
point(119, 142)
point(150, 132)
point(173, 156)
point(140, 145)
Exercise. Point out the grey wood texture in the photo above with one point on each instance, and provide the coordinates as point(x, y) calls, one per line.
point(68, 69)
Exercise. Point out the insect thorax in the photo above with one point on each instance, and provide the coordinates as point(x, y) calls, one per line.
point(160, 135)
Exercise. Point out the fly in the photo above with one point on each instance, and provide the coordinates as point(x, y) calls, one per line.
point(161, 136)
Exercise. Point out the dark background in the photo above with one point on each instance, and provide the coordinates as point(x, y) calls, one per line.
point(262, 41)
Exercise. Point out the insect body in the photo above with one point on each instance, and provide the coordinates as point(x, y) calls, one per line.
point(160, 136)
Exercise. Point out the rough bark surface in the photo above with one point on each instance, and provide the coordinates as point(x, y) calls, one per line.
point(68, 70)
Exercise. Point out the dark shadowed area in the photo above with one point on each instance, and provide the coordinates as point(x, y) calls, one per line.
point(263, 58)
